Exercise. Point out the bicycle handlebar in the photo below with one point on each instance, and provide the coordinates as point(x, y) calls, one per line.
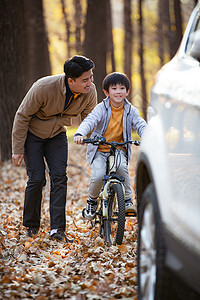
point(101, 140)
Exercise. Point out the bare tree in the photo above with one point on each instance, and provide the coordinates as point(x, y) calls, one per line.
point(167, 26)
point(13, 56)
point(178, 24)
point(169, 15)
point(141, 55)
point(95, 42)
point(110, 46)
point(38, 54)
point(23, 59)
point(67, 26)
point(78, 17)
point(161, 47)
point(128, 38)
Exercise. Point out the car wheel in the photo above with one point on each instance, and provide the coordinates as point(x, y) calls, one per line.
point(153, 277)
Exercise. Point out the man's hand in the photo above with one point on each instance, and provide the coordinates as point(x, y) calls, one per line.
point(78, 139)
point(17, 159)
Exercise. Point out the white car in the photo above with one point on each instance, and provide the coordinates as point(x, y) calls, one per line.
point(168, 178)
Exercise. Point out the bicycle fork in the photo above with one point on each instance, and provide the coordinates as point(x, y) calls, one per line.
point(105, 194)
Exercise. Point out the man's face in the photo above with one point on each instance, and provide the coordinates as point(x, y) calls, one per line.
point(81, 84)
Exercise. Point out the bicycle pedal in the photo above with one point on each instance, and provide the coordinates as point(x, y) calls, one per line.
point(131, 214)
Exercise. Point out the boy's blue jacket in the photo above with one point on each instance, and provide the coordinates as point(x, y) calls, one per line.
point(99, 118)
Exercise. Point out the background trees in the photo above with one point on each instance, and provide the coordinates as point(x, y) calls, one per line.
point(13, 50)
point(38, 63)
point(128, 36)
point(132, 36)
point(95, 39)
point(24, 58)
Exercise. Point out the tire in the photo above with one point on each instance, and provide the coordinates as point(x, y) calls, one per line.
point(154, 282)
point(114, 226)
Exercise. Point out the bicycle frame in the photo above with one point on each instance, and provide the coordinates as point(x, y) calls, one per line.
point(111, 201)
point(108, 180)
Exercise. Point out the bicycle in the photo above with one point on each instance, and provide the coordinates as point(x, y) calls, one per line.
point(110, 214)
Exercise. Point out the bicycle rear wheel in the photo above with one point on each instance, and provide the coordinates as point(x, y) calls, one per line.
point(114, 225)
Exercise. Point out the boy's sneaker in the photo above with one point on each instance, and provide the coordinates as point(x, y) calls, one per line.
point(31, 231)
point(60, 236)
point(90, 211)
point(129, 206)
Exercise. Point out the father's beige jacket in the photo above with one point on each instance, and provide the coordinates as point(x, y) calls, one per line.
point(42, 110)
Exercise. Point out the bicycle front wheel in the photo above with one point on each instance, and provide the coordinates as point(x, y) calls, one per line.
point(114, 225)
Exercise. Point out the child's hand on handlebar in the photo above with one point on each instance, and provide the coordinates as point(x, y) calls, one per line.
point(78, 139)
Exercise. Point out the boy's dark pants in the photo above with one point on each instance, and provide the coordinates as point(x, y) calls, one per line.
point(55, 151)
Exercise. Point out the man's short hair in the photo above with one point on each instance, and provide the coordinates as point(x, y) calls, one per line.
point(115, 78)
point(77, 65)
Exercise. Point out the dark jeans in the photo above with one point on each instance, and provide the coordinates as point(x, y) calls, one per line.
point(55, 151)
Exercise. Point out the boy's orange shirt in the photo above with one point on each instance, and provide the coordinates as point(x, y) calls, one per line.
point(114, 131)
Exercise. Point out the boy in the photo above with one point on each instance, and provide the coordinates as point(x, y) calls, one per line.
point(113, 118)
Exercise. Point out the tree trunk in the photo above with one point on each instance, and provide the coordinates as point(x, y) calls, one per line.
point(38, 54)
point(169, 16)
point(78, 17)
point(141, 55)
point(95, 41)
point(128, 37)
point(13, 71)
point(24, 57)
point(161, 50)
point(110, 46)
point(167, 27)
point(178, 24)
point(67, 26)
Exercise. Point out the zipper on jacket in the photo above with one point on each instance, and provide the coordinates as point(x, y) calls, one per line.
point(104, 129)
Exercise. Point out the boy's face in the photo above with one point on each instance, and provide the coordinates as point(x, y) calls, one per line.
point(117, 93)
point(81, 84)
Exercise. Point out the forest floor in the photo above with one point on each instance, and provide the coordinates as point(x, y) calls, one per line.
point(42, 269)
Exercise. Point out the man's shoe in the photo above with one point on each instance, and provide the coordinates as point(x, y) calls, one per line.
point(90, 211)
point(129, 206)
point(31, 231)
point(60, 236)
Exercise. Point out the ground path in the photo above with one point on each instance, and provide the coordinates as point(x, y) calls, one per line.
point(42, 269)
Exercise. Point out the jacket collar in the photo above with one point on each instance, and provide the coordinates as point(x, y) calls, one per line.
point(127, 104)
point(63, 85)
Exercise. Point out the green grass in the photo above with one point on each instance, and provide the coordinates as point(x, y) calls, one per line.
point(71, 131)
point(135, 136)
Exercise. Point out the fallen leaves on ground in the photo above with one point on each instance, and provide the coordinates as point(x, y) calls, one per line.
point(39, 268)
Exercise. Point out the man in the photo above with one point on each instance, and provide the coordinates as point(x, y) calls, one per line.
point(39, 133)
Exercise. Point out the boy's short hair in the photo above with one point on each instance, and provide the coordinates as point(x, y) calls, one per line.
point(77, 65)
point(115, 78)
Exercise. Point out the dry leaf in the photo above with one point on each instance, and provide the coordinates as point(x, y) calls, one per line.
point(27, 245)
point(43, 269)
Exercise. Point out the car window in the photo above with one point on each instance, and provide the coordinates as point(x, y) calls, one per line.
point(193, 44)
